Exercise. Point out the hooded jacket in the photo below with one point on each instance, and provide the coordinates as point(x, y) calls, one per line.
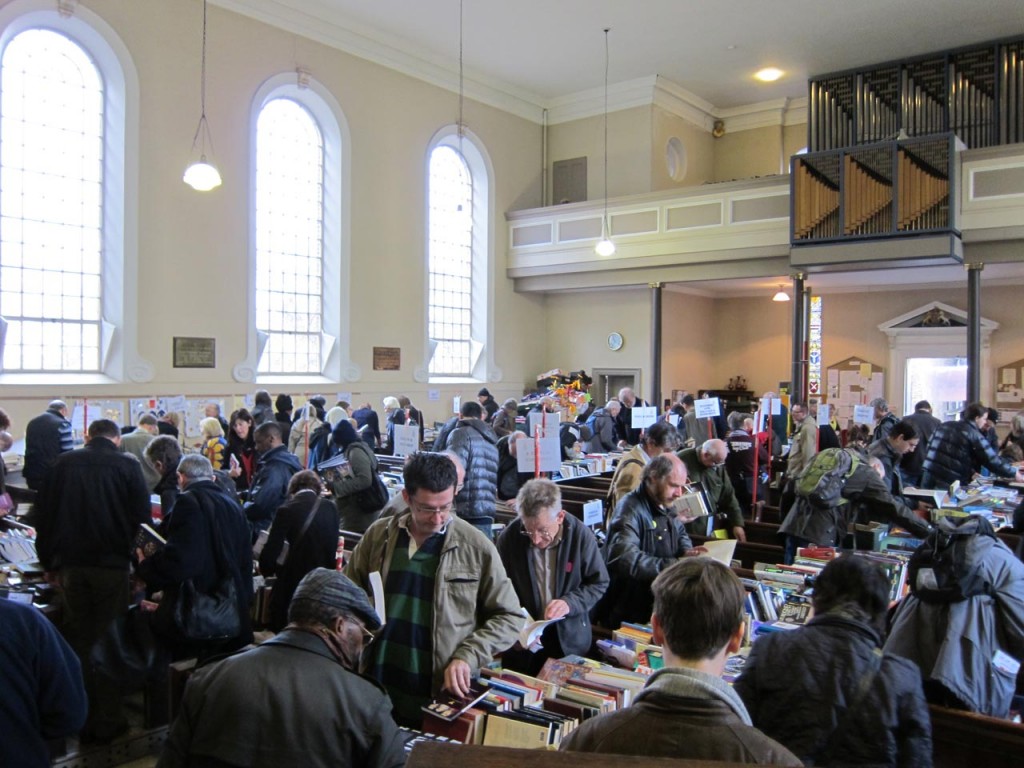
point(956, 645)
point(475, 443)
point(269, 490)
point(681, 713)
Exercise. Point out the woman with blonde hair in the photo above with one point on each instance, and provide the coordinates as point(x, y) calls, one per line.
point(215, 446)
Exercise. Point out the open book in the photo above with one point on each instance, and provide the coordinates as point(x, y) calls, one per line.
point(148, 540)
point(721, 550)
point(532, 630)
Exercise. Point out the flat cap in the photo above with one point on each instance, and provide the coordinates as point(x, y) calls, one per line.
point(337, 590)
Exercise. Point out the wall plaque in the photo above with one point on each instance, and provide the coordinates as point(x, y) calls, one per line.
point(195, 352)
point(387, 358)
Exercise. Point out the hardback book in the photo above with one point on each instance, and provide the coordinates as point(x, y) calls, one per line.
point(502, 730)
point(450, 707)
point(148, 540)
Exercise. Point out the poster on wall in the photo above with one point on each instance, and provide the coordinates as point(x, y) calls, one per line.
point(851, 382)
point(1010, 389)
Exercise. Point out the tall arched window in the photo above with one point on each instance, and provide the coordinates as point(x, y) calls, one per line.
point(458, 258)
point(51, 180)
point(289, 237)
point(68, 185)
point(299, 235)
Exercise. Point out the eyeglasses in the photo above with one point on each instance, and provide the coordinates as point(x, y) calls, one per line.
point(417, 507)
point(368, 636)
point(544, 534)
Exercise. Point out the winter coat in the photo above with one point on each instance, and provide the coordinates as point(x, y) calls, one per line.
point(474, 442)
point(956, 451)
point(47, 436)
point(798, 685)
point(643, 540)
point(955, 644)
point(716, 485)
point(602, 427)
point(681, 713)
point(269, 490)
point(362, 464)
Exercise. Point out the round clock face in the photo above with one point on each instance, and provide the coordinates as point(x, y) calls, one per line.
point(615, 341)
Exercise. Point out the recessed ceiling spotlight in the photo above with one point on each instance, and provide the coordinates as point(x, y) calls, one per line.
point(769, 74)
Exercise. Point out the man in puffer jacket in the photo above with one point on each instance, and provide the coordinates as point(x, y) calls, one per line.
point(958, 449)
point(827, 692)
point(475, 443)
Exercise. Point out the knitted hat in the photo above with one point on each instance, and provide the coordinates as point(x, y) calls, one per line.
point(483, 392)
point(344, 433)
point(337, 590)
point(336, 414)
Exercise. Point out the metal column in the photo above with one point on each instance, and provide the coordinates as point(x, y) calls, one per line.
point(798, 376)
point(974, 332)
point(655, 345)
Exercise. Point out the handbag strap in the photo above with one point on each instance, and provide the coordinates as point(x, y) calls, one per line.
point(309, 521)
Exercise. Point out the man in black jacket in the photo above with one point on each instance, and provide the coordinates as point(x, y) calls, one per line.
point(957, 450)
point(207, 540)
point(557, 572)
point(47, 436)
point(274, 470)
point(925, 424)
point(91, 506)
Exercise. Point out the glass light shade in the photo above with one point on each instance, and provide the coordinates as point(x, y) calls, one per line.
point(780, 295)
point(604, 247)
point(202, 176)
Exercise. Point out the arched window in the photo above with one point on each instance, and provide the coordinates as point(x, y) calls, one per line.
point(458, 258)
point(299, 235)
point(68, 118)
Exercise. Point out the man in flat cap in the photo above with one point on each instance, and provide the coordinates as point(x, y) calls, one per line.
point(296, 699)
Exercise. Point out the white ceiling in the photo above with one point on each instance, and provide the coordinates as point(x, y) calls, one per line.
point(530, 55)
point(544, 51)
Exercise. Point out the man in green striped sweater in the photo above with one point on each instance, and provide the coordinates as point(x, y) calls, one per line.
point(450, 606)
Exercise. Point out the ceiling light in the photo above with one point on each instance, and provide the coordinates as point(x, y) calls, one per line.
point(202, 175)
point(769, 74)
point(605, 246)
point(780, 295)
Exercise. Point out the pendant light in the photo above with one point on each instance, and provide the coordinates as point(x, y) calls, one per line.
point(605, 246)
point(201, 174)
point(780, 295)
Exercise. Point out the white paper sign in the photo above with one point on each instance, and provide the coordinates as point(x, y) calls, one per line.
point(433, 395)
point(673, 419)
point(346, 396)
point(824, 413)
point(593, 512)
point(407, 439)
point(864, 414)
point(643, 417)
point(549, 422)
point(550, 453)
point(176, 404)
point(706, 408)
point(457, 404)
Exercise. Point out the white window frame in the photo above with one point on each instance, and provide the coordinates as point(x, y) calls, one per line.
point(119, 358)
point(334, 334)
point(481, 172)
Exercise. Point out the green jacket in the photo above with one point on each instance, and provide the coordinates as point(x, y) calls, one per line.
point(716, 484)
point(476, 610)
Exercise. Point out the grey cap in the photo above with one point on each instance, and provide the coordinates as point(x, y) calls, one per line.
point(337, 590)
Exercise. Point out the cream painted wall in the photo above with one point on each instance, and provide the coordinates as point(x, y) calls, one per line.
point(698, 147)
point(742, 154)
point(687, 327)
point(193, 247)
point(629, 147)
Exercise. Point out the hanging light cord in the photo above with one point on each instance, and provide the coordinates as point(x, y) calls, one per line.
point(203, 127)
point(604, 222)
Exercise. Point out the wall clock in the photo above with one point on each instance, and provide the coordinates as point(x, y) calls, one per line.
point(615, 341)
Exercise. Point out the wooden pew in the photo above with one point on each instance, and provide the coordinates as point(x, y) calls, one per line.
point(964, 738)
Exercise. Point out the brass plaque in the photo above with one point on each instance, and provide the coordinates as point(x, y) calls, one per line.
point(387, 358)
point(195, 352)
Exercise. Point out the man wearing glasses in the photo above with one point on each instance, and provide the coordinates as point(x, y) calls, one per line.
point(450, 607)
point(295, 699)
point(706, 466)
point(557, 571)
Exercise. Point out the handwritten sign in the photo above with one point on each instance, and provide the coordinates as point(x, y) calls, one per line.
point(407, 439)
point(707, 408)
point(643, 416)
point(550, 453)
point(547, 422)
point(824, 413)
point(863, 414)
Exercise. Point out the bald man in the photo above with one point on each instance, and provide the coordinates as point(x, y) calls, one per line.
point(706, 465)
